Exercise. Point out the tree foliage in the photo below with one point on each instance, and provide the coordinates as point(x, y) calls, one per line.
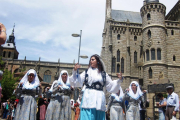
point(8, 84)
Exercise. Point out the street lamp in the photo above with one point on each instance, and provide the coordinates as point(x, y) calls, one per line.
point(78, 35)
point(82, 56)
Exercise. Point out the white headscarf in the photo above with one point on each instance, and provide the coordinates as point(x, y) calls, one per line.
point(138, 92)
point(53, 85)
point(121, 94)
point(67, 85)
point(35, 83)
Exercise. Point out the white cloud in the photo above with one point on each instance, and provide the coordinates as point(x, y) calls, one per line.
point(46, 25)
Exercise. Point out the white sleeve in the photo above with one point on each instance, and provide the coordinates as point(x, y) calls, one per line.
point(112, 86)
point(177, 103)
point(77, 82)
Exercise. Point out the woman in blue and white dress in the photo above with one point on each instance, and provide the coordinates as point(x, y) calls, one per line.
point(115, 105)
point(59, 107)
point(93, 104)
point(28, 89)
point(134, 96)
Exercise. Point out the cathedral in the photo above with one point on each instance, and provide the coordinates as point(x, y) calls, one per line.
point(143, 46)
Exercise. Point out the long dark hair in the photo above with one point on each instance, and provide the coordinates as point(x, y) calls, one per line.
point(99, 63)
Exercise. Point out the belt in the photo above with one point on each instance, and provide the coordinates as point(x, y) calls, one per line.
point(96, 86)
point(170, 106)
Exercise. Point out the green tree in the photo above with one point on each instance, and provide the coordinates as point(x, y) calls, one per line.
point(8, 84)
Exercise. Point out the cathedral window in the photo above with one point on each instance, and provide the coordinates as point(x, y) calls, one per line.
point(9, 54)
point(158, 54)
point(135, 38)
point(150, 73)
point(122, 65)
point(135, 57)
point(118, 37)
point(118, 68)
point(47, 76)
point(172, 32)
point(113, 64)
point(149, 34)
point(148, 16)
point(118, 56)
point(174, 58)
point(152, 54)
point(4, 53)
point(147, 55)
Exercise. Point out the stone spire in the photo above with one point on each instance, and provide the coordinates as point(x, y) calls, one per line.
point(108, 8)
point(12, 37)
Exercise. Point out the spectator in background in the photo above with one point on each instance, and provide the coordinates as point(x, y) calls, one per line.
point(172, 103)
point(142, 109)
point(77, 113)
point(13, 110)
point(161, 106)
point(6, 109)
point(2, 34)
point(42, 106)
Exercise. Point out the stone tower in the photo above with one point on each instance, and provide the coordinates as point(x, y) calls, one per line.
point(143, 46)
point(9, 48)
point(154, 42)
point(108, 8)
point(107, 38)
point(122, 38)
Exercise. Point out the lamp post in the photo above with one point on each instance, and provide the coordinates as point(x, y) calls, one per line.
point(78, 35)
point(82, 56)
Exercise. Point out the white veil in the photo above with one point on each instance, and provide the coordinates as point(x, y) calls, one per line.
point(67, 85)
point(35, 83)
point(138, 92)
point(116, 97)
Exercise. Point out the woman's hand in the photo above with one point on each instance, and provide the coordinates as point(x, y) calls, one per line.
point(2, 34)
point(76, 66)
point(119, 75)
point(1, 95)
point(144, 91)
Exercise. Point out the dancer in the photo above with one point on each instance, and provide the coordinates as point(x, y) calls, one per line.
point(133, 97)
point(93, 104)
point(59, 107)
point(28, 88)
point(116, 105)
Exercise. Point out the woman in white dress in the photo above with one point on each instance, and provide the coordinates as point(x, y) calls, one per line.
point(93, 104)
point(115, 105)
point(59, 107)
point(134, 96)
point(28, 89)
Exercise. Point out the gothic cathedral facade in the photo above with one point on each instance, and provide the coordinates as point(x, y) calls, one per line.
point(144, 46)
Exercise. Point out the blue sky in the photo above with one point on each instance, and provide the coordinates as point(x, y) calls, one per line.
point(43, 28)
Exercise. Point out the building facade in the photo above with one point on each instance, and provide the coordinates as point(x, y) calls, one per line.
point(47, 71)
point(143, 46)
